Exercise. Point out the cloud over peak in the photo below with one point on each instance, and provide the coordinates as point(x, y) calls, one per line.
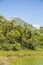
point(36, 26)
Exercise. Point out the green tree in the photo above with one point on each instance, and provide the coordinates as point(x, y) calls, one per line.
point(7, 27)
point(13, 36)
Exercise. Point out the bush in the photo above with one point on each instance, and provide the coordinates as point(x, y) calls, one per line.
point(0, 47)
point(17, 46)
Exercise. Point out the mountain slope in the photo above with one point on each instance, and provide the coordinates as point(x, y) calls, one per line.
point(19, 21)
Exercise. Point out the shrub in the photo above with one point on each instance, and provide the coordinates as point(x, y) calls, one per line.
point(17, 46)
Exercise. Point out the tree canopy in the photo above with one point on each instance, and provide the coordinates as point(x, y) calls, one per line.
point(18, 37)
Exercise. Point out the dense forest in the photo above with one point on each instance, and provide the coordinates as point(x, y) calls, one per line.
point(15, 36)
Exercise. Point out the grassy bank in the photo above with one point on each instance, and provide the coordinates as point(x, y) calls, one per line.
point(27, 61)
point(21, 57)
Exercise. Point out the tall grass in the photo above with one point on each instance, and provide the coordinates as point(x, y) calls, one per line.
point(20, 53)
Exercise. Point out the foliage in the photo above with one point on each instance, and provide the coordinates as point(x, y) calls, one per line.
point(18, 37)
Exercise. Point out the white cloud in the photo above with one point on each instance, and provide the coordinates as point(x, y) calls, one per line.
point(36, 26)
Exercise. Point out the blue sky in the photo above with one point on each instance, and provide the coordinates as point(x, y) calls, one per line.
point(29, 10)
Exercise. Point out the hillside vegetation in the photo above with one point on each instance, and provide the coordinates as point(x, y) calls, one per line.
point(15, 36)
